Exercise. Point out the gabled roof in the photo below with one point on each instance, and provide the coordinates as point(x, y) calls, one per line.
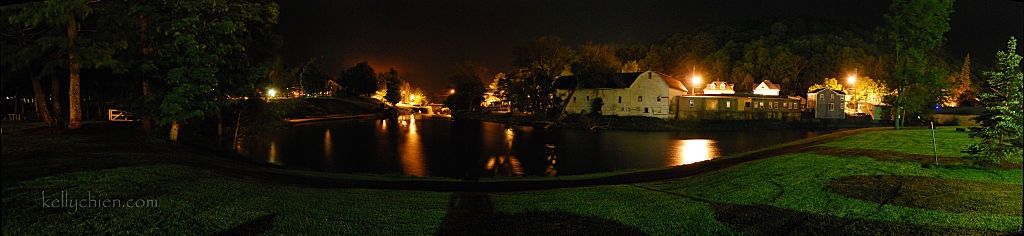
point(720, 85)
point(768, 83)
point(619, 80)
point(836, 91)
point(672, 82)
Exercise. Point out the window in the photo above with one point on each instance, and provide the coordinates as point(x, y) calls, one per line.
point(691, 102)
point(659, 99)
point(640, 98)
point(760, 104)
point(588, 98)
point(712, 86)
point(574, 99)
point(620, 99)
point(785, 105)
point(645, 110)
point(728, 104)
point(747, 104)
point(831, 107)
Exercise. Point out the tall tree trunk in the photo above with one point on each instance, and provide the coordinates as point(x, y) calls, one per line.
point(147, 123)
point(238, 125)
point(74, 103)
point(220, 129)
point(40, 98)
point(174, 131)
point(58, 111)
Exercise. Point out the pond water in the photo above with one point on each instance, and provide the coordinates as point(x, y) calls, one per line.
point(439, 146)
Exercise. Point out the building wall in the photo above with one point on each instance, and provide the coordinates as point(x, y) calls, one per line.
point(649, 95)
point(827, 104)
point(736, 108)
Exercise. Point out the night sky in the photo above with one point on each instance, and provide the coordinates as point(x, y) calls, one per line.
point(423, 39)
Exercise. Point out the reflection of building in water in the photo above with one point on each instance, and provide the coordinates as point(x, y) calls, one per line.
point(552, 160)
point(694, 150)
point(328, 152)
point(272, 155)
point(504, 165)
point(411, 150)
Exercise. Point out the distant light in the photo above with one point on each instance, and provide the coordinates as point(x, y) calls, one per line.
point(452, 91)
point(852, 79)
point(271, 92)
point(937, 107)
point(696, 79)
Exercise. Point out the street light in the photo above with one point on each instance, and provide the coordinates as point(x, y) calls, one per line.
point(271, 92)
point(452, 91)
point(852, 79)
point(695, 80)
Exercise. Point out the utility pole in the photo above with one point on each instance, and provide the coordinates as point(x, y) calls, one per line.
point(934, 149)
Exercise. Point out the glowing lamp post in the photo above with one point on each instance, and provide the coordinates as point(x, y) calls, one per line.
point(452, 91)
point(695, 80)
point(271, 93)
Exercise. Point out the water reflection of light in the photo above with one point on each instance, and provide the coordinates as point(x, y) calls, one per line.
point(328, 152)
point(412, 152)
point(505, 165)
point(694, 150)
point(273, 153)
point(553, 158)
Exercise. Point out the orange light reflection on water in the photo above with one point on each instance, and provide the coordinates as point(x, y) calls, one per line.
point(412, 150)
point(328, 150)
point(691, 151)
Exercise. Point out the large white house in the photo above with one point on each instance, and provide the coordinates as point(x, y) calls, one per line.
point(625, 94)
point(766, 88)
point(719, 87)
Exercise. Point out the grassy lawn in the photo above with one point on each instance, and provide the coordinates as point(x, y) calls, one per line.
point(802, 193)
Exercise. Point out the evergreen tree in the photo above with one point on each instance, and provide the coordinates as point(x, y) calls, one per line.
point(1001, 123)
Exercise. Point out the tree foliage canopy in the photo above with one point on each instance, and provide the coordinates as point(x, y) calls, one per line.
point(1002, 123)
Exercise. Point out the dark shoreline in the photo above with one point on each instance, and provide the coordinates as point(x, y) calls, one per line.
point(634, 123)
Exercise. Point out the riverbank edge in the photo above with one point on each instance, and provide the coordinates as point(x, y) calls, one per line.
point(280, 175)
point(640, 123)
point(233, 166)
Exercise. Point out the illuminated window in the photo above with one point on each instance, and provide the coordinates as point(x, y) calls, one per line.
point(691, 102)
point(785, 105)
point(831, 107)
point(728, 104)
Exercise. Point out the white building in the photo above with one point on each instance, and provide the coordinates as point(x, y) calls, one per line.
point(766, 88)
point(719, 87)
point(625, 94)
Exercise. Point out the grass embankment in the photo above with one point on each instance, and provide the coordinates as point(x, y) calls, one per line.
point(802, 193)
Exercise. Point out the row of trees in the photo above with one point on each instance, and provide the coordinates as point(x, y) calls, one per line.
point(170, 62)
point(902, 58)
point(358, 80)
